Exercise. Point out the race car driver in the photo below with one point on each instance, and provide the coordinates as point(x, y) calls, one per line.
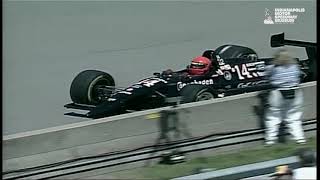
point(199, 66)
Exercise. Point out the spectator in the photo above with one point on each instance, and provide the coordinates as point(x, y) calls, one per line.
point(308, 169)
point(282, 173)
point(285, 98)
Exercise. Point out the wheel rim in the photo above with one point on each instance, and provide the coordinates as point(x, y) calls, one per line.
point(204, 96)
point(93, 95)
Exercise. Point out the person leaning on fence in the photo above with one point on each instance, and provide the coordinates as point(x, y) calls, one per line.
point(285, 98)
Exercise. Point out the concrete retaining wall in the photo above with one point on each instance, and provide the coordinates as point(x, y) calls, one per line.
point(135, 130)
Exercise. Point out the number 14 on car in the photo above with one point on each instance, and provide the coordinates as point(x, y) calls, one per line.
point(243, 72)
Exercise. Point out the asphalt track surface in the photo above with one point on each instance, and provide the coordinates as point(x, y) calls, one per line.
point(47, 43)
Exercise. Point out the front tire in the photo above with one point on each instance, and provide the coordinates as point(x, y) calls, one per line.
point(84, 87)
point(196, 92)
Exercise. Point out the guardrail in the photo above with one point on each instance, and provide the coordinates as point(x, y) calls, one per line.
point(134, 130)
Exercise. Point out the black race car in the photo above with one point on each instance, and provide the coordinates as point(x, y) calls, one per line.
point(229, 70)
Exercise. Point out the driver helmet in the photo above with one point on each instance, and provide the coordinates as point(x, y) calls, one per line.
point(199, 66)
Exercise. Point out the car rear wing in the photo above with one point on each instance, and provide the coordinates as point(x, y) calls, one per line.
point(278, 40)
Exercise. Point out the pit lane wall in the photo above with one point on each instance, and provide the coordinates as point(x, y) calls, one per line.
point(136, 129)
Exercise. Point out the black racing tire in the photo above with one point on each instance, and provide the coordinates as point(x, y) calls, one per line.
point(82, 90)
point(196, 92)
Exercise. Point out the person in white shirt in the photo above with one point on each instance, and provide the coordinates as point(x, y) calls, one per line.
point(285, 98)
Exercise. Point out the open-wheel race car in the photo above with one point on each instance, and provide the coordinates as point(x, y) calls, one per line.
point(225, 71)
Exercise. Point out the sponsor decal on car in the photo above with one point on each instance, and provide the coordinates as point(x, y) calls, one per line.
point(180, 85)
point(261, 73)
point(136, 86)
point(225, 67)
point(151, 82)
point(260, 67)
point(219, 72)
point(249, 84)
point(219, 59)
point(111, 99)
point(227, 75)
point(125, 92)
point(255, 63)
point(256, 66)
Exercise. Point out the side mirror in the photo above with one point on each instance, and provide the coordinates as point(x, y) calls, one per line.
point(156, 74)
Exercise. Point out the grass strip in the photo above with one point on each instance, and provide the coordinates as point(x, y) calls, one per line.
point(221, 161)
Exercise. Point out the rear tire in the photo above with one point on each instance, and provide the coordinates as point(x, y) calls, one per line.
point(196, 92)
point(83, 88)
